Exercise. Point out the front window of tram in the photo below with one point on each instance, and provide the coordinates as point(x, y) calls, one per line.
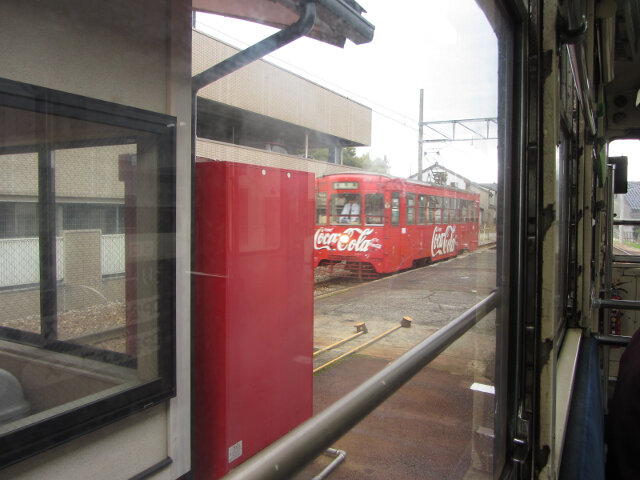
point(441, 235)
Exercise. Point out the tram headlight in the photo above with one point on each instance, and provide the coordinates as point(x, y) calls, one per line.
point(344, 238)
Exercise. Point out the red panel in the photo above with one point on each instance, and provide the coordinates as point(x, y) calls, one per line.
point(254, 310)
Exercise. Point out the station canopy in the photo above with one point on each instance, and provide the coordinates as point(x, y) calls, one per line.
point(336, 21)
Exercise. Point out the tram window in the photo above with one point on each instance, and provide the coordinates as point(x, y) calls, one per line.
point(411, 208)
point(431, 212)
point(453, 209)
point(464, 211)
point(321, 208)
point(345, 208)
point(422, 209)
point(438, 212)
point(374, 209)
point(445, 210)
point(79, 329)
point(395, 208)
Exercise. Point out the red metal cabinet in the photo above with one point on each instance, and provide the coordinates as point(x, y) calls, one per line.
point(253, 310)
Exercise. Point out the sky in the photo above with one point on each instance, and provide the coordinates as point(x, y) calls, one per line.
point(446, 48)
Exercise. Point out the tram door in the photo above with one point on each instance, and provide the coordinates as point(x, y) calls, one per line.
point(254, 310)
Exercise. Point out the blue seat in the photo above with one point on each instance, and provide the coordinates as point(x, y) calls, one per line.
point(583, 455)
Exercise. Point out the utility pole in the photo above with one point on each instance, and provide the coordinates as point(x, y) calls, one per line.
point(420, 135)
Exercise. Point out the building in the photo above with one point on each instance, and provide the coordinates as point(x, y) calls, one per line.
point(441, 175)
point(627, 207)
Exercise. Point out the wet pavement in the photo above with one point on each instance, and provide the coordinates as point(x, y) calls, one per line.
point(431, 296)
point(435, 426)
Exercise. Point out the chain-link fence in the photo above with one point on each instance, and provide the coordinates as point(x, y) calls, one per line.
point(112, 254)
point(20, 259)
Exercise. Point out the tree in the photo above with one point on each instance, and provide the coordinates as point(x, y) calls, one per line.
point(364, 161)
point(349, 156)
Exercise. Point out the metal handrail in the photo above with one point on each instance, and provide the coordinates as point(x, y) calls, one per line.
point(293, 451)
point(614, 340)
point(619, 304)
point(626, 222)
point(626, 259)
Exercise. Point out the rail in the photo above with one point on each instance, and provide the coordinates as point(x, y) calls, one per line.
point(293, 451)
point(626, 259)
point(612, 340)
point(627, 222)
point(619, 304)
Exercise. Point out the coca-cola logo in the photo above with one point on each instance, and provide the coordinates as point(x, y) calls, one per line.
point(443, 241)
point(351, 240)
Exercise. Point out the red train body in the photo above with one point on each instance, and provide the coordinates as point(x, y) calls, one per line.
point(373, 223)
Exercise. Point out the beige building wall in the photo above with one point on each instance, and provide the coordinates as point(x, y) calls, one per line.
point(225, 152)
point(81, 173)
point(89, 48)
point(276, 93)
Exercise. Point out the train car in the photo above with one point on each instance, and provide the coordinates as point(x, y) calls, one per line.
point(374, 224)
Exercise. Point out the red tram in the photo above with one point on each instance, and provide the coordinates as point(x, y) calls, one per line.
point(374, 223)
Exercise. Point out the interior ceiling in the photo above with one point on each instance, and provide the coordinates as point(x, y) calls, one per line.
point(622, 115)
point(336, 20)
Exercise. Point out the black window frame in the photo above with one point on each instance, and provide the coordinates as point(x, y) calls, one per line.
point(59, 428)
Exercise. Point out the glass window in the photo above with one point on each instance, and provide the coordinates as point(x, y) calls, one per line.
point(464, 211)
point(321, 208)
point(431, 215)
point(18, 219)
point(422, 209)
point(345, 208)
point(624, 205)
point(395, 208)
point(91, 338)
point(457, 40)
point(374, 208)
point(438, 211)
point(411, 208)
point(446, 205)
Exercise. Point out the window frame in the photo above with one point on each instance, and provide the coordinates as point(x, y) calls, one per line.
point(367, 214)
point(395, 208)
point(322, 195)
point(336, 217)
point(410, 213)
point(59, 428)
point(422, 209)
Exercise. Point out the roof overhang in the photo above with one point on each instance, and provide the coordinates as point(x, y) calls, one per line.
point(336, 21)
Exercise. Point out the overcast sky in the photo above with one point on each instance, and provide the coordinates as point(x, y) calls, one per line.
point(446, 48)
